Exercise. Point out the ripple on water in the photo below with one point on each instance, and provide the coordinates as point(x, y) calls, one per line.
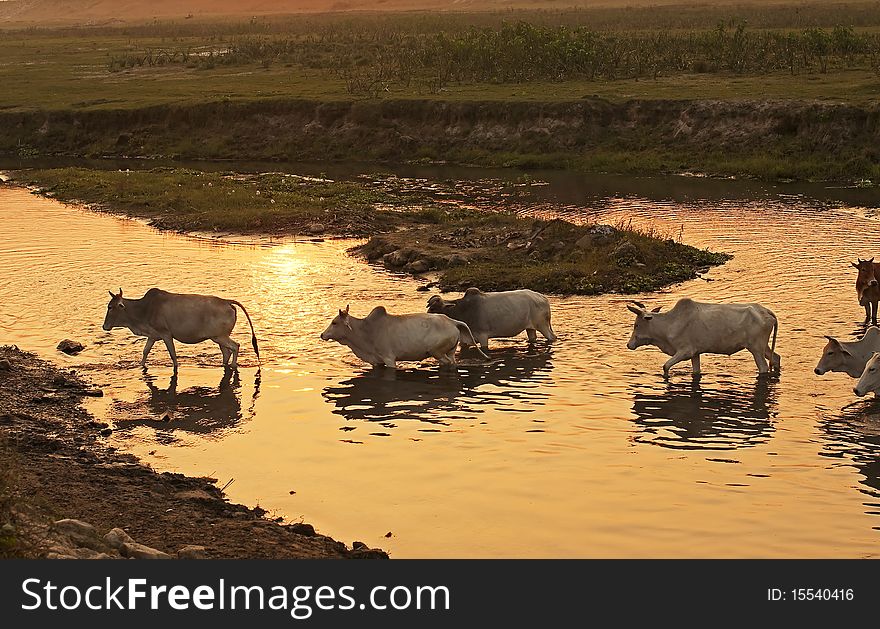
point(575, 449)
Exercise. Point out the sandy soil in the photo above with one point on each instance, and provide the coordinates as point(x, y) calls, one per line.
point(55, 464)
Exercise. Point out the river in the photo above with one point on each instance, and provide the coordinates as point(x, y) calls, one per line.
point(579, 449)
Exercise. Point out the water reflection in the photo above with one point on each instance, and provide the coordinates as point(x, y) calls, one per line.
point(197, 409)
point(853, 434)
point(513, 380)
point(691, 416)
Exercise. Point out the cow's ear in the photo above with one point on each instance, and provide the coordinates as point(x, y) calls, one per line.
point(855, 266)
point(832, 339)
point(657, 309)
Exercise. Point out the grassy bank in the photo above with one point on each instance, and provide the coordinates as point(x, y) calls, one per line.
point(412, 228)
point(191, 200)
point(755, 90)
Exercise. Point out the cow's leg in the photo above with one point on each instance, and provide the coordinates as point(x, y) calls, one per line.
point(225, 351)
point(533, 336)
point(760, 361)
point(169, 343)
point(230, 351)
point(695, 364)
point(235, 346)
point(874, 313)
point(679, 357)
point(446, 359)
point(147, 348)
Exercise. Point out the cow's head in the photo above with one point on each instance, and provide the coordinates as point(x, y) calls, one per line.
point(643, 333)
point(870, 380)
point(339, 328)
point(866, 272)
point(436, 304)
point(835, 357)
point(116, 316)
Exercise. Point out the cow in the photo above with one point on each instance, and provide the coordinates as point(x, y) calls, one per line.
point(870, 378)
point(692, 328)
point(176, 317)
point(867, 287)
point(383, 339)
point(494, 315)
point(849, 357)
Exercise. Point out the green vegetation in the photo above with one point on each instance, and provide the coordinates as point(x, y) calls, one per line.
point(493, 88)
point(191, 200)
point(505, 252)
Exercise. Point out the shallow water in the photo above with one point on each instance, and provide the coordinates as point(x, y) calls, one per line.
point(579, 449)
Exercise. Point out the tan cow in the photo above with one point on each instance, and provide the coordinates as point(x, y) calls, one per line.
point(175, 317)
point(849, 356)
point(383, 339)
point(692, 328)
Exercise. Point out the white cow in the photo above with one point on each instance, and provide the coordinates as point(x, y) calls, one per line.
point(498, 315)
point(849, 357)
point(870, 378)
point(383, 339)
point(692, 328)
point(175, 317)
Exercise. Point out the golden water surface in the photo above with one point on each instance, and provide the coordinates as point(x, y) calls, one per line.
point(579, 449)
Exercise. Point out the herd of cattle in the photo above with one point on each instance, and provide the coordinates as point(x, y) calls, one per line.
point(685, 332)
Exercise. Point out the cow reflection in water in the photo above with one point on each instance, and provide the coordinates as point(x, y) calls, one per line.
point(197, 409)
point(386, 396)
point(691, 416)
point(852, 436)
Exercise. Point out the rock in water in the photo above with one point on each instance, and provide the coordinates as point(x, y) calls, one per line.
point(70, 347)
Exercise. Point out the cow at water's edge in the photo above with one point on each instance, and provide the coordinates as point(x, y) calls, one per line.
point(692, 328)
point(160, 315)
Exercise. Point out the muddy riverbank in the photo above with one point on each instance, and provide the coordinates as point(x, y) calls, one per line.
point(56, 465)
point(472, 237)
point(765, 139)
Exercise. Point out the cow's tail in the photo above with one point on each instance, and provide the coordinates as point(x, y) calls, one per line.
point(463, 327)
point(251, 323)
point(773, 344)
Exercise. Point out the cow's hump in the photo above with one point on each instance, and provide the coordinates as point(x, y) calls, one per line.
point(377, 312)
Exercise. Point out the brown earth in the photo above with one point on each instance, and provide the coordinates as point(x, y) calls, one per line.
point(834, 137)
point(55, 463)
